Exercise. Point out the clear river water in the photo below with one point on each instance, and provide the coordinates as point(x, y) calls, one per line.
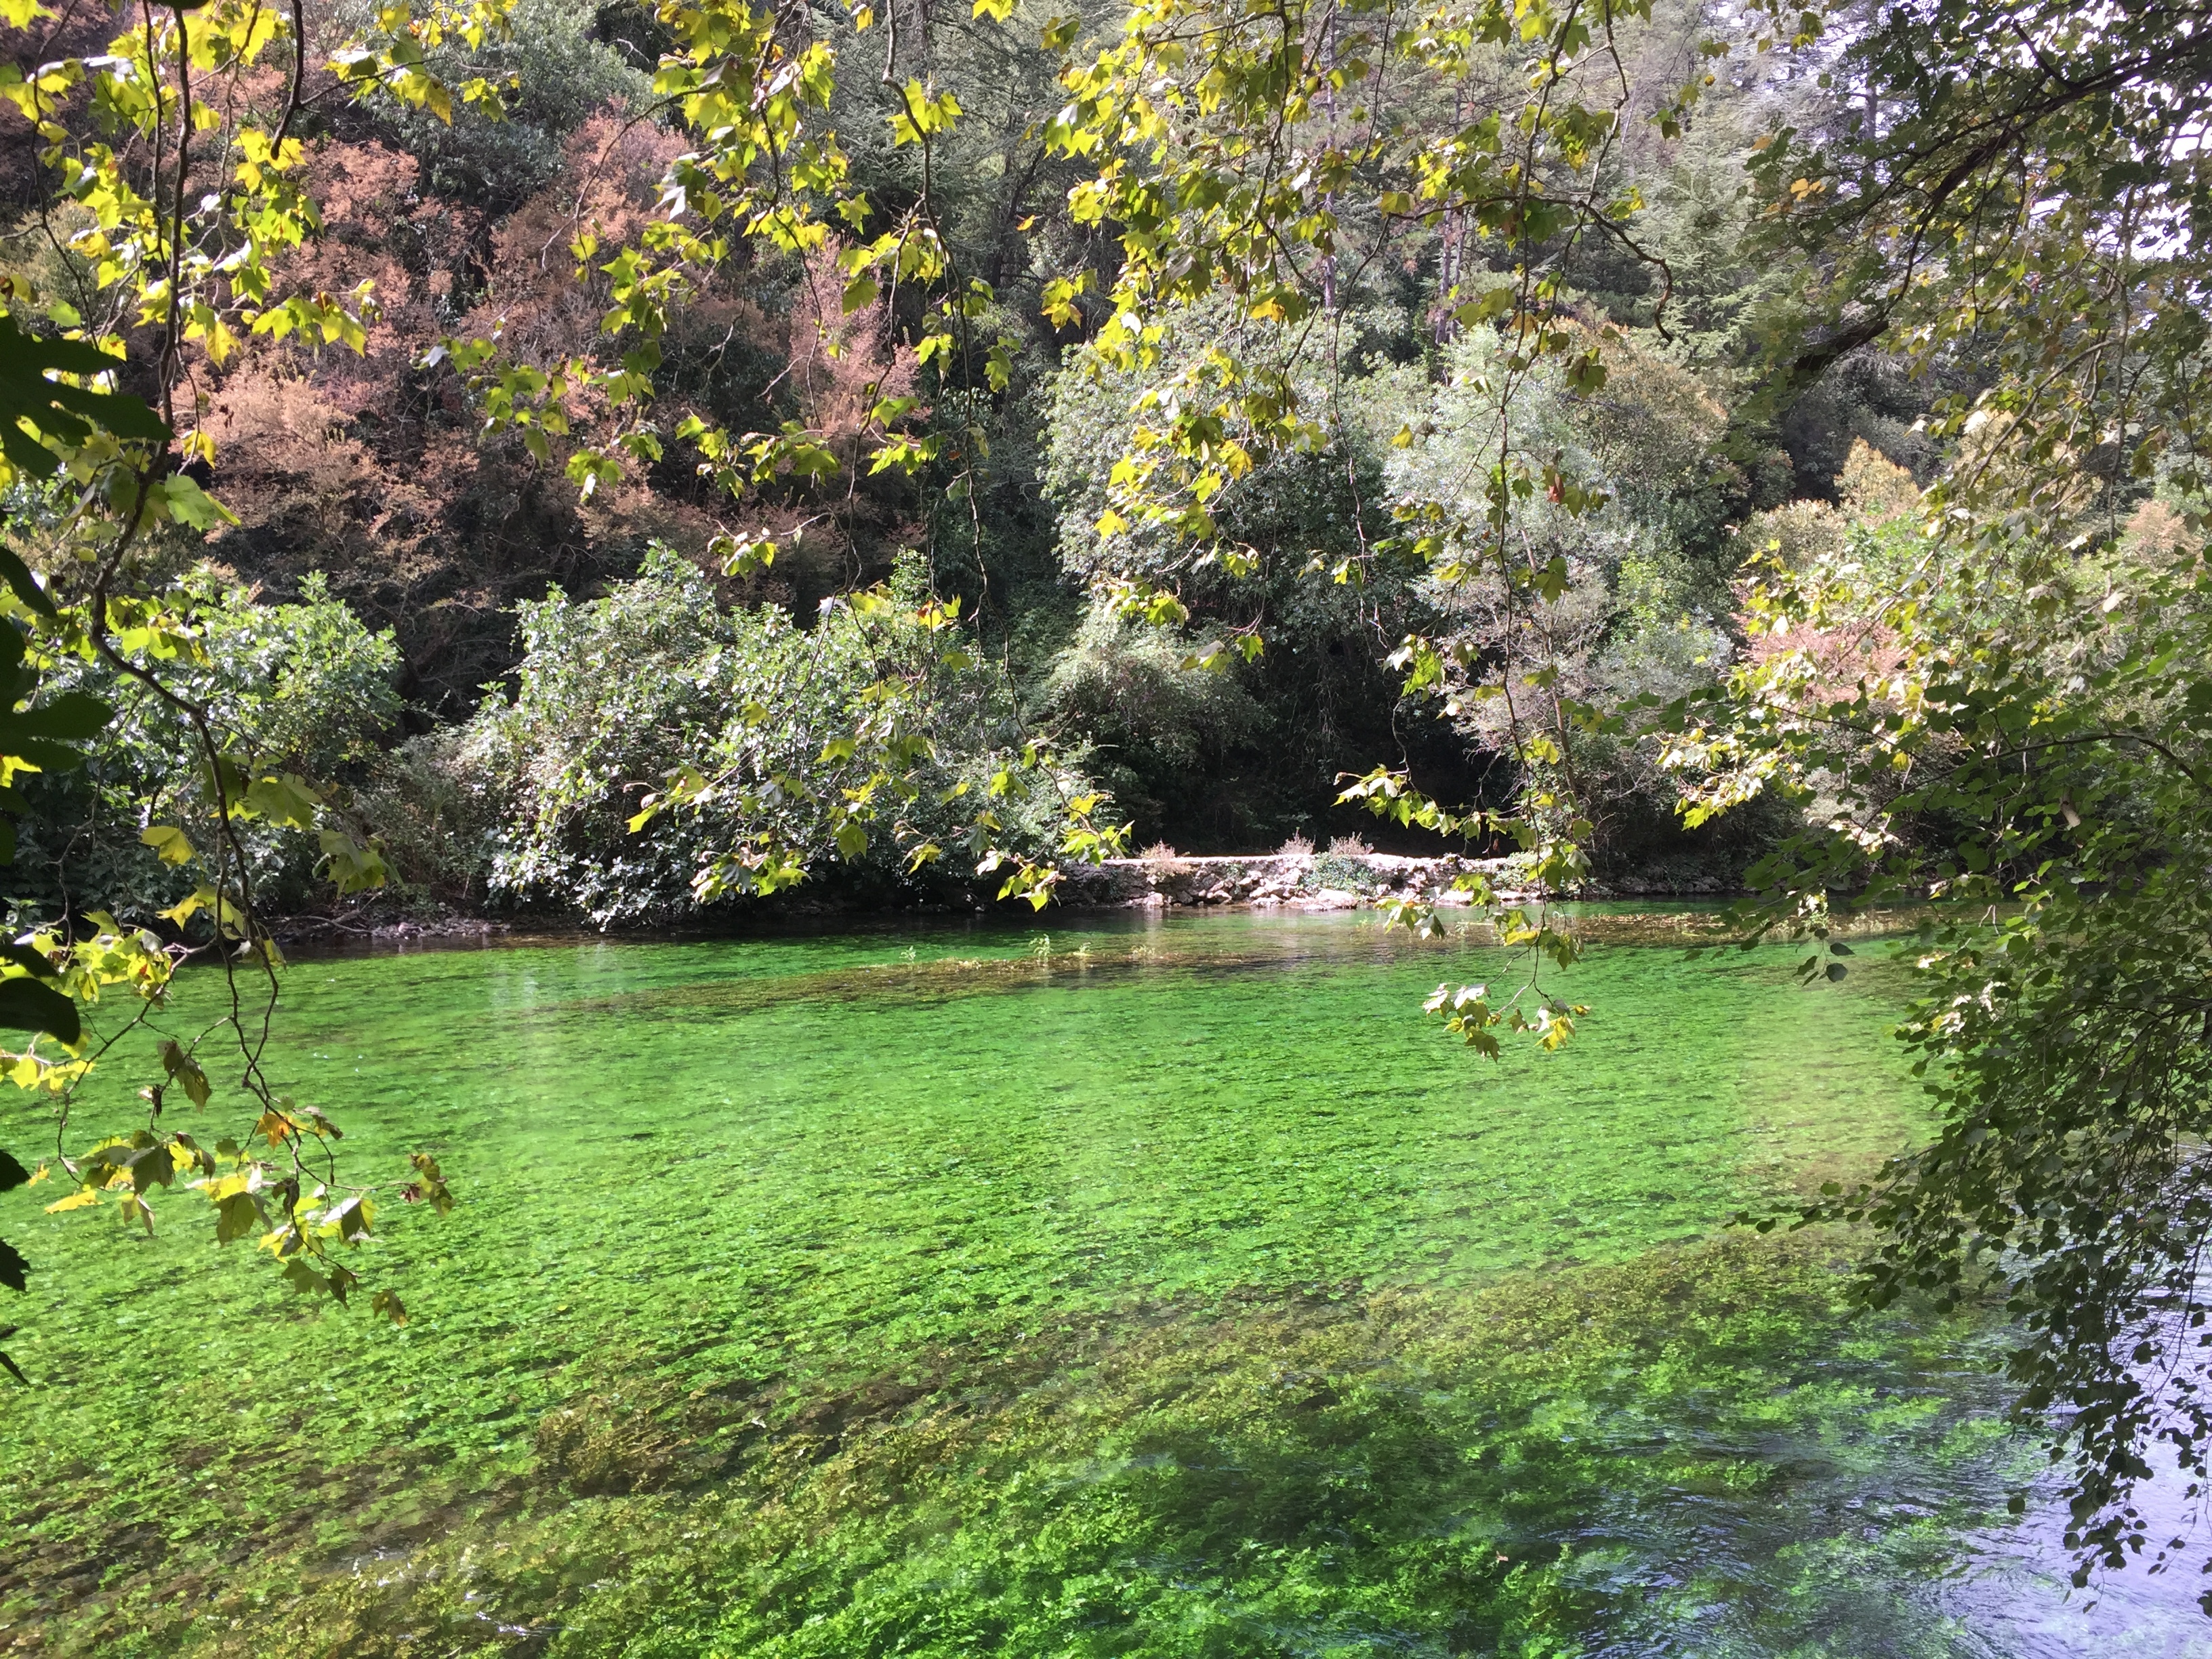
point(1171, 1288)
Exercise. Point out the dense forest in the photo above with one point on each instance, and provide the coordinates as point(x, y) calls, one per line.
point(622, 466)
point(416, 608)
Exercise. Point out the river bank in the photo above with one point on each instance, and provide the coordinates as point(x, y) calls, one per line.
point(1336, 881)
point(1319, 881)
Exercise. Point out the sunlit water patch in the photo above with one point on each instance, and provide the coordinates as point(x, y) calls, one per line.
point(1159, 1287)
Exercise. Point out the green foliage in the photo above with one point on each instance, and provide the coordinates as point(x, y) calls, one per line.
point(435, 820)
point(1284, 616)
point(32, 404)
point(1160, 719)
point(38, 733)
point(293, 691)
point(2058, 739)
point(550, 74)
point(869, 740)
point(184, 222)
point(1993, 697)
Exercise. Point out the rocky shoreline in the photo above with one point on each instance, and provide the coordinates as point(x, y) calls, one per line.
point(1292, 881)
point(1339, 881)
point(1302, 881)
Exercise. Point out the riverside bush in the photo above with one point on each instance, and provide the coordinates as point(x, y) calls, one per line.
point(774, 719)
point(302, 688)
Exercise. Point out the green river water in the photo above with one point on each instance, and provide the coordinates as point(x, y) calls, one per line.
point(898, 1292)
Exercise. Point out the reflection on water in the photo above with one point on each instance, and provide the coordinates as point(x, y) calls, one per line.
point(2019, 1590)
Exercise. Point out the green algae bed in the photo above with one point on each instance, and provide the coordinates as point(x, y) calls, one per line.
point(1168, 1288)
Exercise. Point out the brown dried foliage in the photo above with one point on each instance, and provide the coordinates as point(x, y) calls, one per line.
point(371, 469)
point(842, 366)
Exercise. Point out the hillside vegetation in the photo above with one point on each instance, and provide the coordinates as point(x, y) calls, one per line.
point(495, 669)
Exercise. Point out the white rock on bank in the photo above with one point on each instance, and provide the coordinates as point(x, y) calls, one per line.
point(1330, 898)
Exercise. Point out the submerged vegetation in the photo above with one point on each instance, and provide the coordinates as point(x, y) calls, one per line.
point(1095, 1305)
